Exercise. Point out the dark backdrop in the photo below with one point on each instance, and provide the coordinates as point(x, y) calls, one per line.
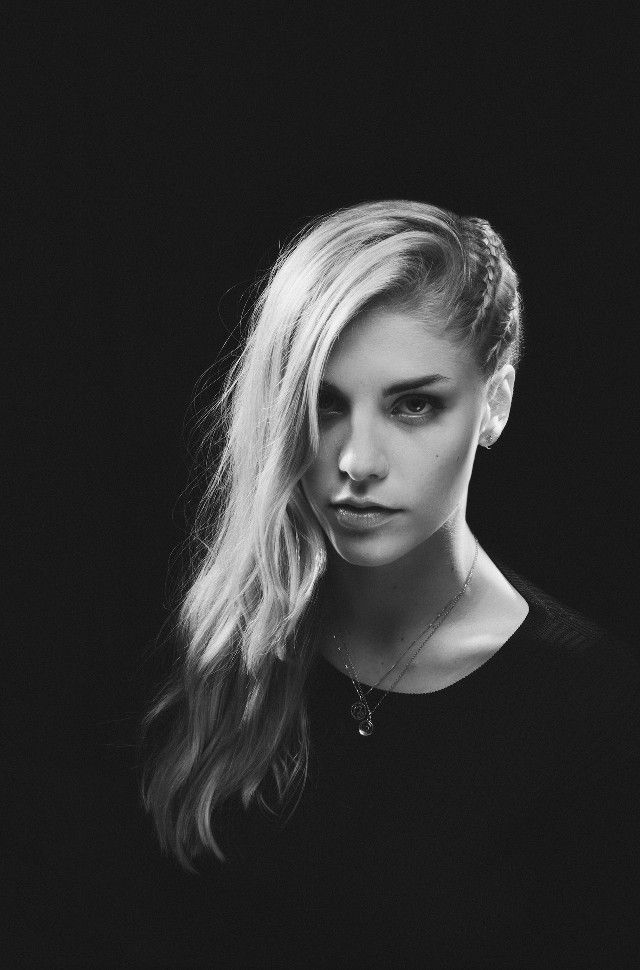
point(168, 155)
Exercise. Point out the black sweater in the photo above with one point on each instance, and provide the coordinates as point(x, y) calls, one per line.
point(494, 823)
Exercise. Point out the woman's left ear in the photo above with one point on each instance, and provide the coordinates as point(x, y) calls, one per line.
point(499, 395)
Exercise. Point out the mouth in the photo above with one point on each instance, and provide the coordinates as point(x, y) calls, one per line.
point(357, 507)
point(360, 518)
point(361, 508)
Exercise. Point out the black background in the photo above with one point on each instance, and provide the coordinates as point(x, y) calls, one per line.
point(158, 156)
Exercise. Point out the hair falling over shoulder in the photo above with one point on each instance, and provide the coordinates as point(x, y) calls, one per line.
point(233, 715)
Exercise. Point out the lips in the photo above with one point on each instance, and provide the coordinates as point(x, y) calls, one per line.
point(361, 518)
point(370, 507)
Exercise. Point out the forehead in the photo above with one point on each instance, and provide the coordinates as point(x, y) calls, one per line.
point(384, 345)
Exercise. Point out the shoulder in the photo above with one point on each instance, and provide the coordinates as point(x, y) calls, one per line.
point(572, 634)
point(585, 684)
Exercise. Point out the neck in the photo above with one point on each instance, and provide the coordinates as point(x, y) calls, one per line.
point(384, 605)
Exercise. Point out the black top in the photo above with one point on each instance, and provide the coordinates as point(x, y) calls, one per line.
point(493, 823)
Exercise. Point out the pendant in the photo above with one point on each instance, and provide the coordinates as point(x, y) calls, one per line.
point(358, 710)
point(366, 727)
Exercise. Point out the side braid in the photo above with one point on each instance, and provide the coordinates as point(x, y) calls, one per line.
point(494, 300)
point(488, 251)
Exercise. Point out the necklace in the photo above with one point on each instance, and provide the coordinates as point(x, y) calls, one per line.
point(360, 710)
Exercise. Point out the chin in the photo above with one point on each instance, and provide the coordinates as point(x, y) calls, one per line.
point(370, 557)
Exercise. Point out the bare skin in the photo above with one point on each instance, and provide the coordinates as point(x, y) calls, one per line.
point(468, 638)
point(412, 452)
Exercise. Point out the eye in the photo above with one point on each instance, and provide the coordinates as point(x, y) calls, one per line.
point(417, 406)
point(328, 403)
point(411, 408)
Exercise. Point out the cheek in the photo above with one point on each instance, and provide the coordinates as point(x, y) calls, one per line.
point(443, 470)
point(321, 469)
point(314, 481)
point(457, 464)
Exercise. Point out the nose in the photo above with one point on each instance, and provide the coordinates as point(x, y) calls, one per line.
point(361, 455)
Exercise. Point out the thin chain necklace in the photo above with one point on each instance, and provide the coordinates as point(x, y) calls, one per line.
point(360, 711)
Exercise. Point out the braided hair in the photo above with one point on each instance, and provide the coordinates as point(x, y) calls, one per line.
point(496, 329)
point(455, 269)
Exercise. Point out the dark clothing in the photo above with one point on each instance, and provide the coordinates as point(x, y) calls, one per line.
point(493, 823)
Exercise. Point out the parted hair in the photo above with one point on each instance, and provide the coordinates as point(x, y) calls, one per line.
point(233, 716)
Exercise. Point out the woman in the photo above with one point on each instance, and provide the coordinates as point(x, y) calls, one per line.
point(404, 753)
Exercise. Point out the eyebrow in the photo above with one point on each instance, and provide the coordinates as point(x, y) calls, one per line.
point(409, 385)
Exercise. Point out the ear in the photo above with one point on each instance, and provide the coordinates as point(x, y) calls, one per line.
point(497, 405)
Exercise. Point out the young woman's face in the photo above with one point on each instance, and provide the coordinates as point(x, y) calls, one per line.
point(409, 449)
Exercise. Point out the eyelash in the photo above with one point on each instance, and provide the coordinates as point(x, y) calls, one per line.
point(434, 405)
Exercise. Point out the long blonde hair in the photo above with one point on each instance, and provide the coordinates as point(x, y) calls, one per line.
point(234, 712)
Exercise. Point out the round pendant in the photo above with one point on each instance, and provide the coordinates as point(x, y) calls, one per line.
point(358, 710)
point(366, 727)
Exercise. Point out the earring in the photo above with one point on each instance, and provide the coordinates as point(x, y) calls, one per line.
point(488, 441)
